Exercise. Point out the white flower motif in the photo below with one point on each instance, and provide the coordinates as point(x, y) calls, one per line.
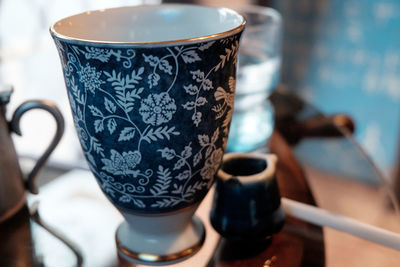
point(157, 109)
point(90, 78)
point(212, 164)
point(122, 164)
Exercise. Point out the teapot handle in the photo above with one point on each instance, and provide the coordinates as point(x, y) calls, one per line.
point(14, 125)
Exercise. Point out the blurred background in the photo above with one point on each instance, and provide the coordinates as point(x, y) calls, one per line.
point(343, 56)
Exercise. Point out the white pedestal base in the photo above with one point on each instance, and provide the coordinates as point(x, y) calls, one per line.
point(159, 239)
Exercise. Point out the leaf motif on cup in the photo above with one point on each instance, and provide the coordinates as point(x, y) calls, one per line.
point(163, 181)
point(159, 133)
point(190, 56)
point(152, 60)
point(205, 46)
point(165, 66)
point(153, 79)
point(98, 126)
point(126, 134)
point(167, 153)
point(97, 53)
point(110, 106)
point(111, 125)
point(191, 89)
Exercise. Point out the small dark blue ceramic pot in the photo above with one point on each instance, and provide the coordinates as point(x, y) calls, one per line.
point(151, 90)
point(247, 203)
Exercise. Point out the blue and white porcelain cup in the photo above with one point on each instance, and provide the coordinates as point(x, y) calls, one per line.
point(151, 90)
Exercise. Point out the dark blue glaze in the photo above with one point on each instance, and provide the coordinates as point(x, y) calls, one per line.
point(246, 211)
point(153, 121)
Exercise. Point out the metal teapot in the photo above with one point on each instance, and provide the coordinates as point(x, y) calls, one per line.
point(12, 183)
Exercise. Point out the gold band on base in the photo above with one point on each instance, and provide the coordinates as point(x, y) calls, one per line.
point(129, 258)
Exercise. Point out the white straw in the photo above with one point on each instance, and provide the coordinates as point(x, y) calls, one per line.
point(342, 223)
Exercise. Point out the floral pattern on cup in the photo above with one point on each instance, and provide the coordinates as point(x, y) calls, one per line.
point(157, 109)
point(153, 122)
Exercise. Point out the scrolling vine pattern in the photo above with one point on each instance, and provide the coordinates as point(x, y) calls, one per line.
point(132, 106)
